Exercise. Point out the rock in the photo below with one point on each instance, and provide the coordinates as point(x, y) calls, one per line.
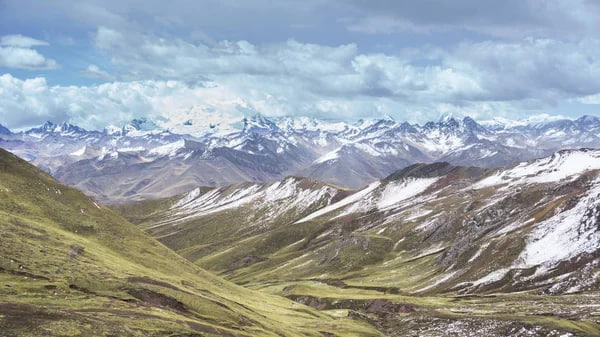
point(76, 250)
point(381, 306)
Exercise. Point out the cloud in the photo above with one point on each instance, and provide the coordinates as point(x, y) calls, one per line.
point(506, 19)
point(264, 20)
point(508, 58)
point(291, 69)
point(25, 103)
point(24, 58)
point(539, 71)
point(15, 52)
point(158, 77)
point(590, 99)
point(93, 71)
point(532, 73)
point(30, 102)
point(19, 40)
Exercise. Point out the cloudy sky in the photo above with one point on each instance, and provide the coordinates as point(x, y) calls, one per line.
point(100, 62)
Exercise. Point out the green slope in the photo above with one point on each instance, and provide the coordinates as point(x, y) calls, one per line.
point(408, 270)
point(72, 267)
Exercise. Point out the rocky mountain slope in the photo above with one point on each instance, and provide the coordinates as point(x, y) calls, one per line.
point(71, 267)
point(478, 250)
point(143, 160)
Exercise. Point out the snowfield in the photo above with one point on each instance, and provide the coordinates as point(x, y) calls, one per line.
point(258, 196)
point(342, 203)
point(397, 191)
point(561, 165)
point(566, 234)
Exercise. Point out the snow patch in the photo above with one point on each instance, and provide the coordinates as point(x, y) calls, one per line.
point(168, 149)
point(561, 165)
point(333, 155)
point(398, 191)
point(566, 234)
point(344, 202)
point(79, 152)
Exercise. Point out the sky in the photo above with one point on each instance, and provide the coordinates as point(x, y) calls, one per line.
point(95, 63)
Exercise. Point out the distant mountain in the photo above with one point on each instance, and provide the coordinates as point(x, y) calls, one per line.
point(4, 131)
point(116, 164)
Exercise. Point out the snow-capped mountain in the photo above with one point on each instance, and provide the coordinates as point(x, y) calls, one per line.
point(428, 228)
point(117, 163)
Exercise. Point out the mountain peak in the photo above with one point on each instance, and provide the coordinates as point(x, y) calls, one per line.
point(437, 169)
point(48, 126)
point(446, 117)
point(140, 125)
point(259, 124)
point(63, 128)
point(113, 130)
point(388, 117)
point(586, 119)
point(4, 130)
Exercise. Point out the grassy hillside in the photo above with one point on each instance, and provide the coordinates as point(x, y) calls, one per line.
point(429, 248)
point(72, 267)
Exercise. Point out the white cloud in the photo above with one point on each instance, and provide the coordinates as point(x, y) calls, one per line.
point(24, 58)
point(590, 99)
point(93, 71)
point(19, 40)
point(16, 52)
point(30, 102)
point(530, 73)
point(156, 76)
point(291, 72)
point(160, 77)
point(535, 71)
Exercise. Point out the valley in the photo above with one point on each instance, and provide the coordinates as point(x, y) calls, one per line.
point(71, 267)
point(430, 248)
point(495, 252)
point(322, 168)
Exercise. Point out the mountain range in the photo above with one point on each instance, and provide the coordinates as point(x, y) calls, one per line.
point(460, 251)
point(431, 248)
point(142, 160)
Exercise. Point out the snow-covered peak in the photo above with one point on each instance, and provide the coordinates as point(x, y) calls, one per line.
point(446, 118)
point(63, 129)
point(210, 124)
point(259, 124)
point(501, 123)
point(291, 124)
point(587, 119)
point(113, 130)
point(562, 165)
point(48, 126)
point(140, 127)
point(299, 124)
point(170, 149)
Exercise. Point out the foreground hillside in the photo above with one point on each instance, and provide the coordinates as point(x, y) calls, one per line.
point(430, 250)
point(71, 267)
